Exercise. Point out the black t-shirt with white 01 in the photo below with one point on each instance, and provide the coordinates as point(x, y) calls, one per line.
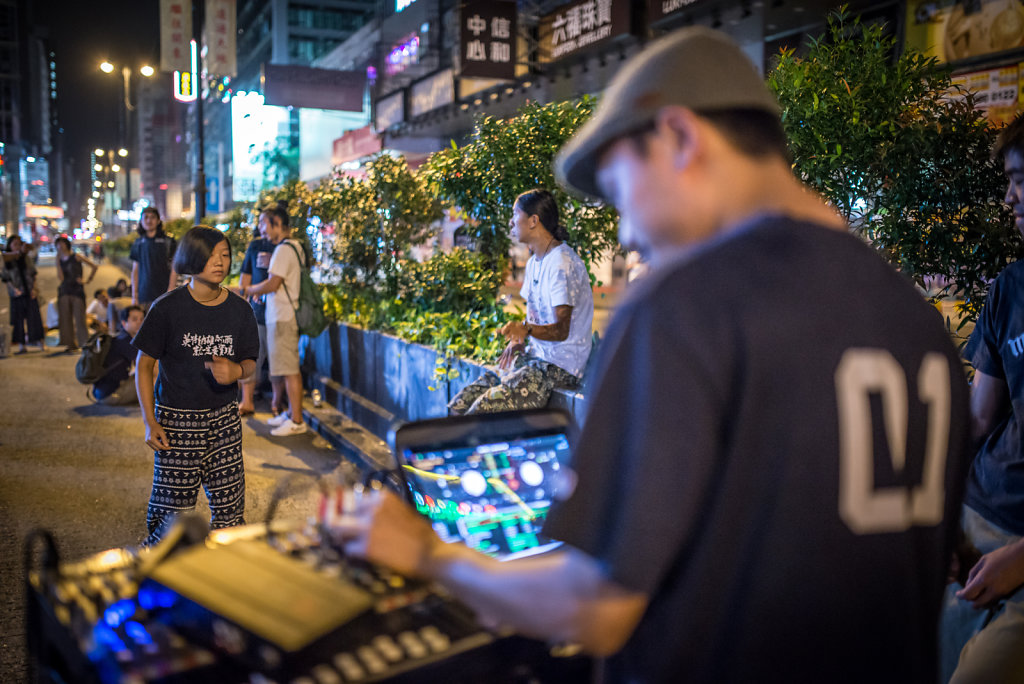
point(183, 335)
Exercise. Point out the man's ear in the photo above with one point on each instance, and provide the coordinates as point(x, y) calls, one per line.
point(678, 126)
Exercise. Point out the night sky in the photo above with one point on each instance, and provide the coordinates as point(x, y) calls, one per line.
point(83, 34)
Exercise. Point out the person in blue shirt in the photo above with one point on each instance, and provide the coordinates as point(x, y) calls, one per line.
point(254, 270)
point(117, 386)
point(152, 254)
point(983, 620)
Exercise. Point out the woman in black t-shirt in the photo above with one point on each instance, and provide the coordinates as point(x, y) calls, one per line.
point(205, 339)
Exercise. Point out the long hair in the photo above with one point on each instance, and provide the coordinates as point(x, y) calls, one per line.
point(541, 203)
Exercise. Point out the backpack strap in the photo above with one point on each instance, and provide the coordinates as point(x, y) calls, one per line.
point(285, 285)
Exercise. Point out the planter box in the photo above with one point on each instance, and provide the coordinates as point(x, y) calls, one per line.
point(377, 379)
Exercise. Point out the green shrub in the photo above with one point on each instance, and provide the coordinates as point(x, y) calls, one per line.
point(907, 166)
point(507, 157)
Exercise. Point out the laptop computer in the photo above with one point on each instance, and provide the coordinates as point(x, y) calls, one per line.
point(488, 480)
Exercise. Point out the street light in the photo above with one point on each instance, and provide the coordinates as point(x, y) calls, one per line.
point(106, 67)
point(122, 152)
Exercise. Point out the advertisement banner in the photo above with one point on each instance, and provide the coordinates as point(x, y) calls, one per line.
point(220, 38)
point(659, 9)
point(487, 39)
point(997, 91)
point(301, 86)
point(390, 110)
point(432, 92)
point(356, 144)
point(580, 26)
point(175, 34)
point(952, 32)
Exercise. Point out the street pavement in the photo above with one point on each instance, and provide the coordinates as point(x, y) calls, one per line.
point(83, 471)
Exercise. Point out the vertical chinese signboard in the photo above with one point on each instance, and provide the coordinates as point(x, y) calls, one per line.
point(175, 34)
point(220, 37)
point(487, 39)
point(581, 25)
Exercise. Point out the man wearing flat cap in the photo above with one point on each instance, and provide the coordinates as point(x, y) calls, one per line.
point(773, 458)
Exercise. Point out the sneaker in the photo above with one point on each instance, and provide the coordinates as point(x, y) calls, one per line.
point(279, 419)
point(288, 428)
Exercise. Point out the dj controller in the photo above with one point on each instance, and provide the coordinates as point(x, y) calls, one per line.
point(262, 605)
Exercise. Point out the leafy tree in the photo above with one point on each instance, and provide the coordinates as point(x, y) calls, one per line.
point(903, 158)
point(280, 162)
point(509, 156)
point(377, 219)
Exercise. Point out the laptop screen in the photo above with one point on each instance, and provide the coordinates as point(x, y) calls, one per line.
point(487, 482)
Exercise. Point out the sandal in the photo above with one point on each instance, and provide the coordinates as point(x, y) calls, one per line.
point(242, 413)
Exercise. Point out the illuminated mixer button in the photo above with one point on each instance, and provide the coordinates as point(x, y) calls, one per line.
point(374, 663)
point(349, 667)
point(325, 674)
point(413, 645)
point(388, 648)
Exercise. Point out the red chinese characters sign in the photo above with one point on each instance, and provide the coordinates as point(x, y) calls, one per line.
point(220, 38)
point(175, 34)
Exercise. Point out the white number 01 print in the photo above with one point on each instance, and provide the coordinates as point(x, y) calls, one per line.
point(865, 508)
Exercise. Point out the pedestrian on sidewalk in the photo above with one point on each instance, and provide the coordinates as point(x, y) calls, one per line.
point(205, 339)
point(282, 290)
point(559, 318)
point(255, 267)
point(152, 254)
point(19, 272)
point(71, 296)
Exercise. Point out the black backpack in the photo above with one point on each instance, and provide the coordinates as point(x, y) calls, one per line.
point(91, 364)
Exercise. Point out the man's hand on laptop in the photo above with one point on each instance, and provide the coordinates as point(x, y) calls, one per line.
point(383, 529)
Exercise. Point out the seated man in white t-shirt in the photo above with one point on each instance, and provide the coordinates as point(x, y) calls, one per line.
point(96, 314)
point(559, 318)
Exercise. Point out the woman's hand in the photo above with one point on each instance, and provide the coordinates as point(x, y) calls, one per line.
point(225, 371)
point(156, 438)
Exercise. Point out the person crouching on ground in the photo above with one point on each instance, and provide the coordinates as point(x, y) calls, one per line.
point(205, 339)
point(117, 386)
point(559, 318)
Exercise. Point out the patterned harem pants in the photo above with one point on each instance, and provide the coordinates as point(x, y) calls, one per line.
point(528, 386)
point(206, 450)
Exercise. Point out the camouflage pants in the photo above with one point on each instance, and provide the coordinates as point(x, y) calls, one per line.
point(528, 386)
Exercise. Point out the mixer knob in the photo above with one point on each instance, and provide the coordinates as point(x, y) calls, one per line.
point(435, 639)
point(387, 647)
point(325, 674)
point(413, 645)
point(349, 667)
point(374, 663)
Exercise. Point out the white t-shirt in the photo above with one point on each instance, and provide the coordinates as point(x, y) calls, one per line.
point(98, 309)
point(560, 279)
point(284, 263)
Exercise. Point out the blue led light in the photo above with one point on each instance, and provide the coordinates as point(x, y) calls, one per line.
point(118, 612)
point(138, 633)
